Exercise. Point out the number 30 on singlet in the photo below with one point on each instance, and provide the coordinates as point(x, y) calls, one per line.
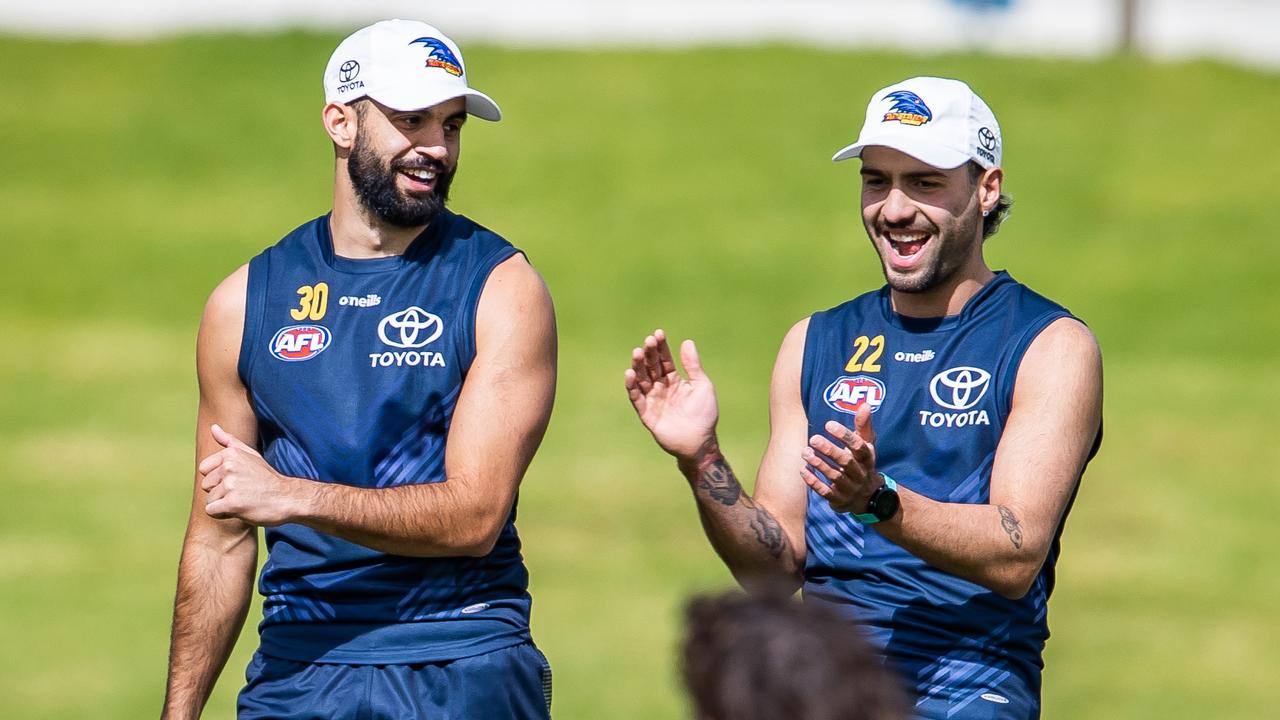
point(861, 344)
point(313, 303)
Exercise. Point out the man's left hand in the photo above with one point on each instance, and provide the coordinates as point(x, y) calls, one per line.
point(843, 470)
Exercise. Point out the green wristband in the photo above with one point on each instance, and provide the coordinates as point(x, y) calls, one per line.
point(882, 505)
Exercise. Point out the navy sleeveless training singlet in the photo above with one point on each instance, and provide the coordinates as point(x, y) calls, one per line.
point(941, 390)
point(353, 369)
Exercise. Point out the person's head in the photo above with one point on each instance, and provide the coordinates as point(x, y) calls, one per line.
point(396, 98)
point(766, 656)
point(931, 180)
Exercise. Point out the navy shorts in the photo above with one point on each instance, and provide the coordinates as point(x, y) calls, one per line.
point(509, 684)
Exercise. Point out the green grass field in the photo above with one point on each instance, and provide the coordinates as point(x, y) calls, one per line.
point(688, 190)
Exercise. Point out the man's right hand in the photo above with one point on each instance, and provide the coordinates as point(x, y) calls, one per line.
point(681, 413)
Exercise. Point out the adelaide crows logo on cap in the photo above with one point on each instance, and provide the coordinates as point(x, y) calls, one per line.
point(907, 108)
point(440, 56)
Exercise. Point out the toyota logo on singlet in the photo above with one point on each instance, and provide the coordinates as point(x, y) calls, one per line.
point(410, 328)
point(959, 388)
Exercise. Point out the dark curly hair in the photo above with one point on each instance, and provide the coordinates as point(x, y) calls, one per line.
point(765, 656)
point(991, 221)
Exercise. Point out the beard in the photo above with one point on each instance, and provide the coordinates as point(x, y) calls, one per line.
point(955, 246)
point(375, 185)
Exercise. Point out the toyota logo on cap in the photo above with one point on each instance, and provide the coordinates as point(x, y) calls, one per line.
point(987, 138)
point(348, 71)
point(959, 388)
point(410, 328)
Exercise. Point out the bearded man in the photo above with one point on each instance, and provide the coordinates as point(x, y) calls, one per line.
point(372, 390)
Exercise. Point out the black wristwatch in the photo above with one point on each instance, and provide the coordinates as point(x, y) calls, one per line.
point(883, 504)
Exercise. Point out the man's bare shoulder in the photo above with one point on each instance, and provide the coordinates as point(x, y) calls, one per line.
point(227, 301)
point(795, 337)
point(1065, 341)
point(222, 324)
point(515, 301)
point(515, 280)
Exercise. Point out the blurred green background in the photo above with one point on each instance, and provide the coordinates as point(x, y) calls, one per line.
point(684, 189)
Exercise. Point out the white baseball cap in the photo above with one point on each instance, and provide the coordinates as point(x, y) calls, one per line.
point(405, 65)
point(938, 121)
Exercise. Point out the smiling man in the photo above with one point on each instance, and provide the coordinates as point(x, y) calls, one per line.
point(926, 438)
point(372, 389)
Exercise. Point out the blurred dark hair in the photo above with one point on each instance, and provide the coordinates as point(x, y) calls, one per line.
point(765, 656)
point(991, 222)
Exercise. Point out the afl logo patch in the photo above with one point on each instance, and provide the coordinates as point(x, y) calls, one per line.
point(300, 342)
point(847, 394)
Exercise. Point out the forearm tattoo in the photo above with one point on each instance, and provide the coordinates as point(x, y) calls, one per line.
point(768, 532)
point(1011, 525)
point(719, 482)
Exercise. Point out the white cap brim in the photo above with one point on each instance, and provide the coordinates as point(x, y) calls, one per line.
point(943, 158)
point(419, 97)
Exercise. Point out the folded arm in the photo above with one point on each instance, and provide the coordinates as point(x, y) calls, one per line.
point(1002, 545)
point(500, 417)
